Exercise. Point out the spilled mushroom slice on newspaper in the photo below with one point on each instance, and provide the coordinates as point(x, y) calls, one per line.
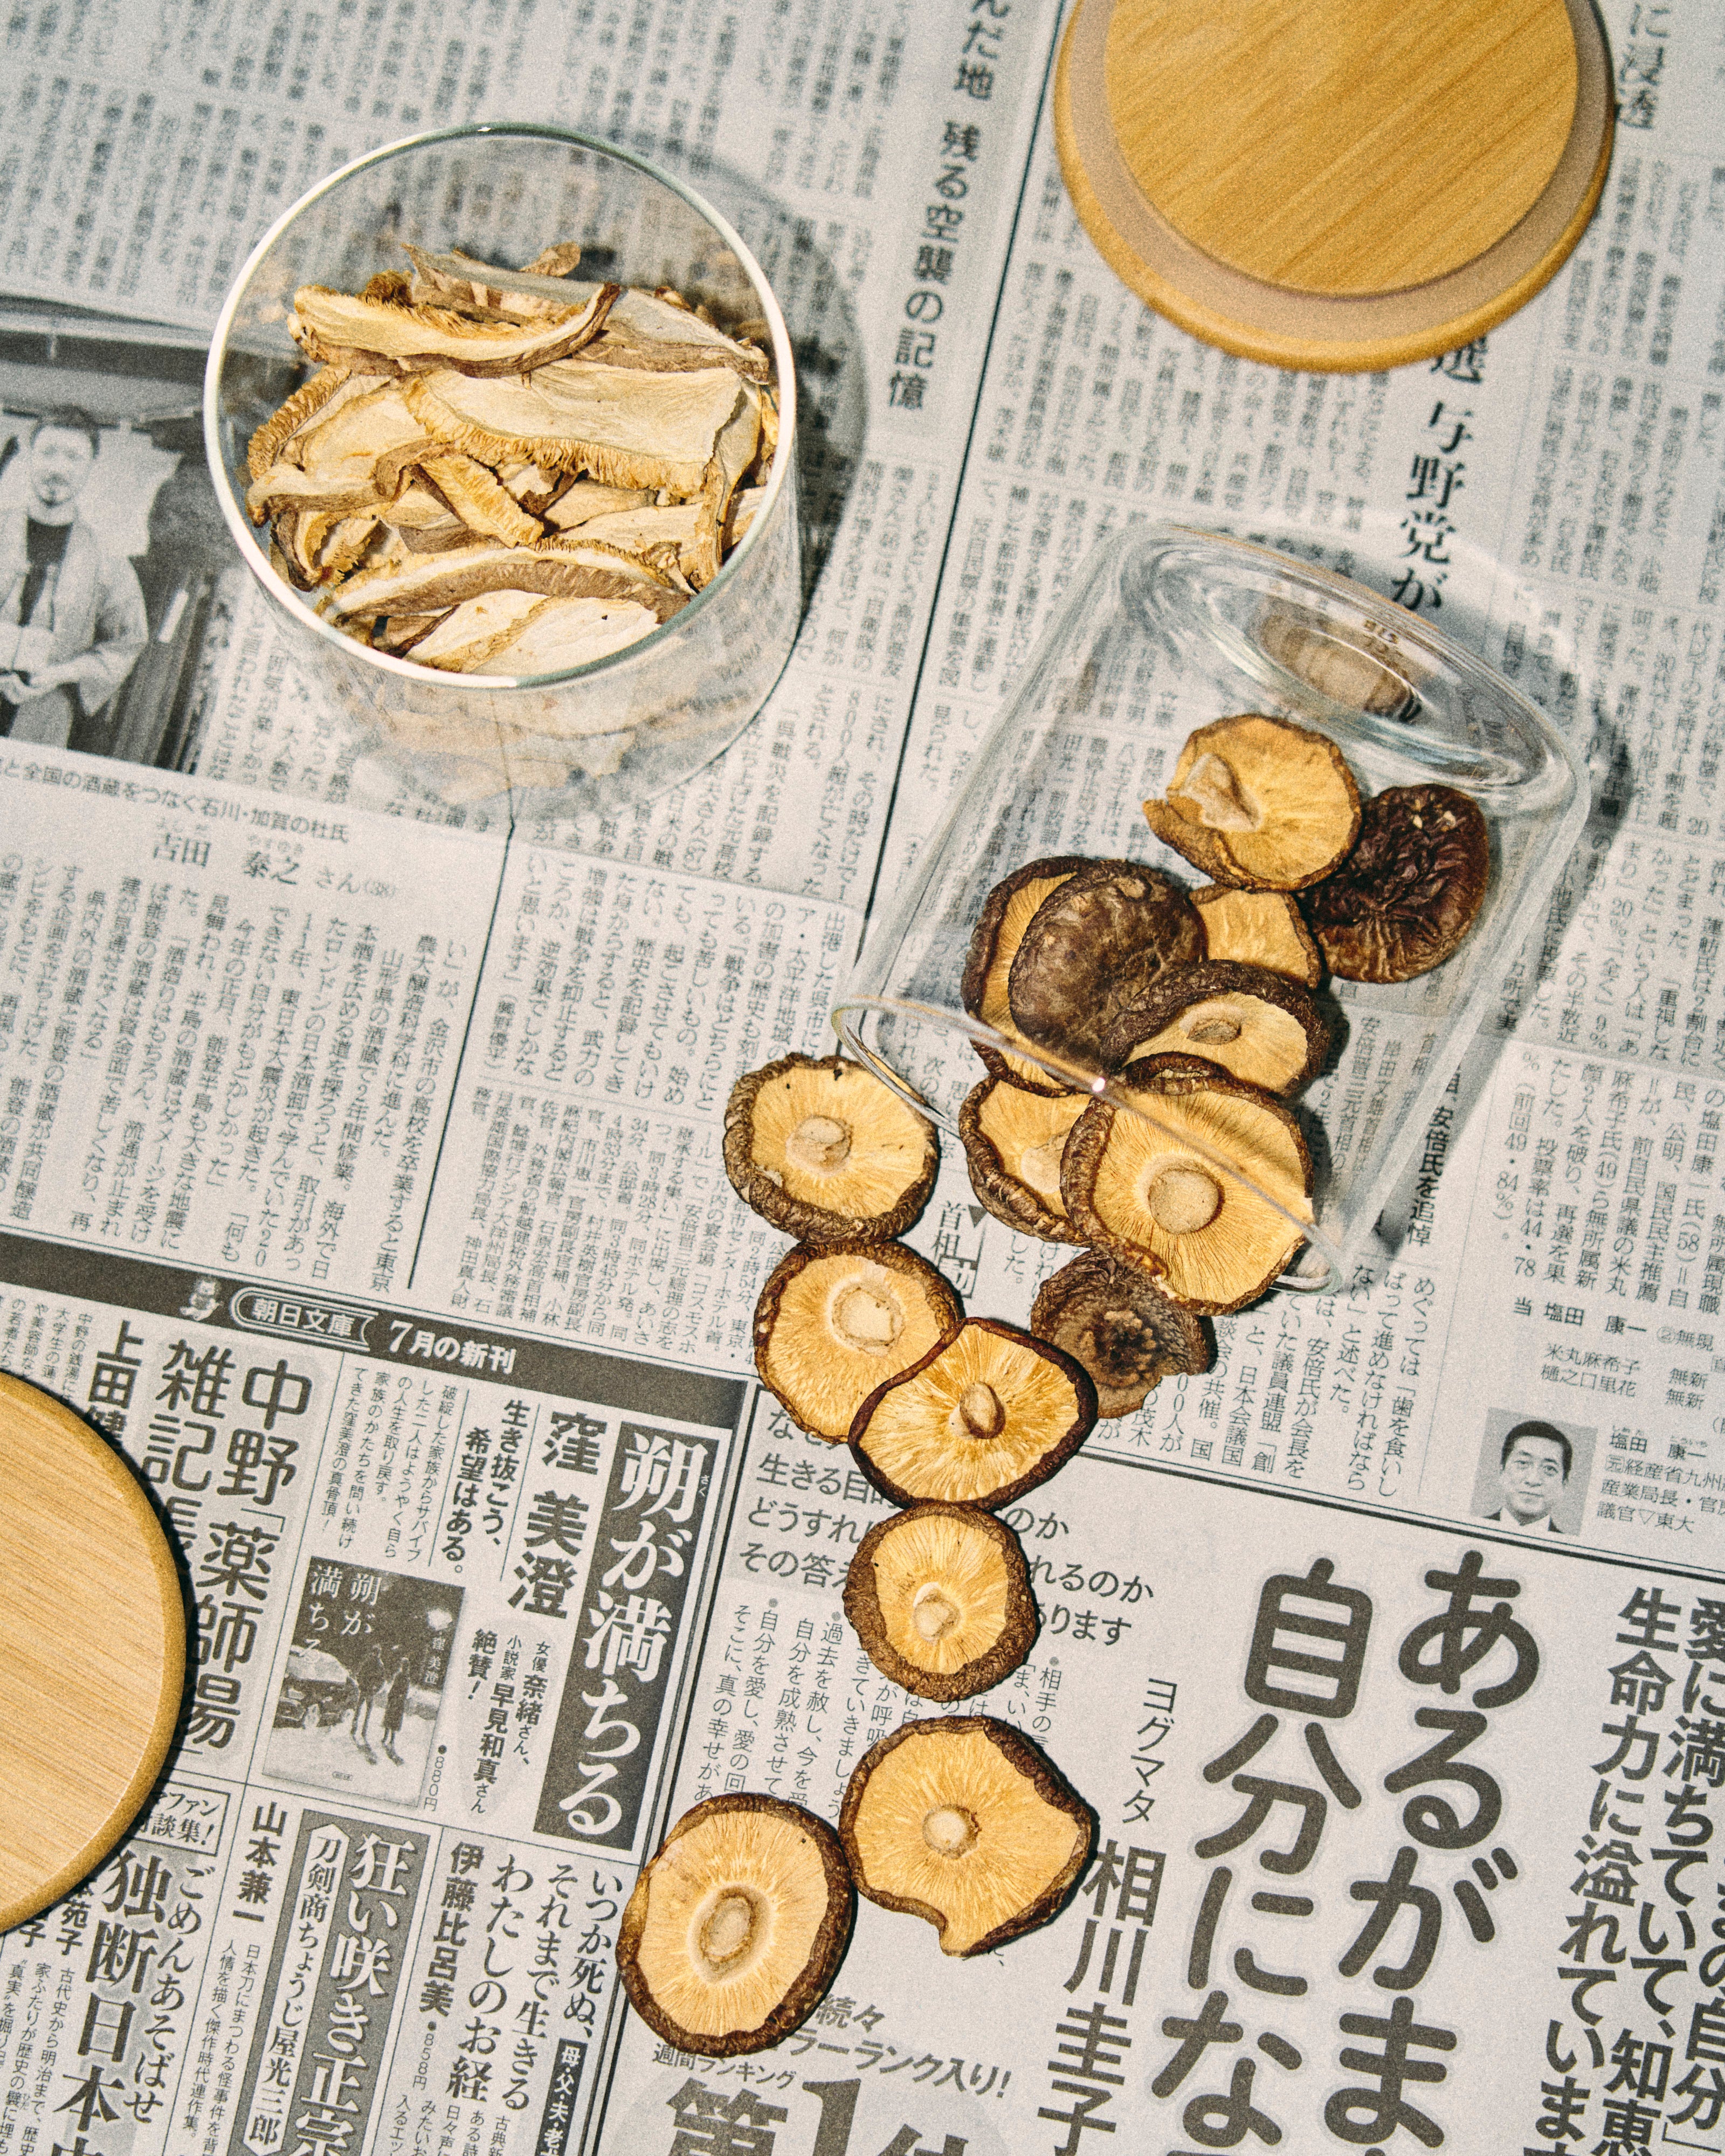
point(964, 1822)
point(1258, 801)
point(832, 1322)
point(985, 1415)
point(1012, 1143)
point(736, 1926)
point(1155, 1188)
point(823, 1149)
point(1111, 1317)
point(940, 1597)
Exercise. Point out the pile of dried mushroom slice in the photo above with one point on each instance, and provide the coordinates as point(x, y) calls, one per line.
point(510, 472)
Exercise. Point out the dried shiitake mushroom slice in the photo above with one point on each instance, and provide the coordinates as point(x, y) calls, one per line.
point(824, 1149)
point(1253, 1024)
point(1410, 890)
point(984, 1416)
point(941, 1598)
point(1092, 947)
point(963, 1822)
point(1112, 1318)
point(835, 1321)
point(1140, 1188)
point(1258, 928)
point(1006, 914)
point(1260, 801)
point(1357, 674)
point(737, 1928)
point(1014, 1140)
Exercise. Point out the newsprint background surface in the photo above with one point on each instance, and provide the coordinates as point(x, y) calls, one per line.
point(359, 1172)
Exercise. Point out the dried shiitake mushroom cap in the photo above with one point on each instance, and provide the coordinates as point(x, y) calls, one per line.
point(737, 1928)
point(1113, 1318)
point(1253, 1024)
point(984, 1417)
point(1260, 801)
point(823, 1149)
point(941, 1598)
point(1258, 928)
point(1093, 947)
point(1006, 913)
point(963, 1822)
point(1012, 1141)
point(833, 1321)
point(1410, 890)
point(1137, 1187)
point(1357, 674)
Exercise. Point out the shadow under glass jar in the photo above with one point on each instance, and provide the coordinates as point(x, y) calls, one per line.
point(640, 719)
point(1165, 630)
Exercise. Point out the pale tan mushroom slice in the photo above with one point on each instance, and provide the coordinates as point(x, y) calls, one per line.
point(832, 1321)
point(535, 293)
point(660, 331)
point(940, 1597)
point(983, 1416)
point(337, 326)
point(1013, 1142)
point(351, 456)
point(1007, 912)
point(422, 583)
point(1112, 1317)
point(733, 453)
point(460, 639)
point(560, 633)
point(1149, 1187)
point(1259, 928)
point(584, 500)
point(486, 506)
point(623, 425)
point(1253, 1024)
point(310, 398)
point(965, 1823)
point(1362, 676)
point(736, 1925)
point(1260, 801)
point(825, 1150)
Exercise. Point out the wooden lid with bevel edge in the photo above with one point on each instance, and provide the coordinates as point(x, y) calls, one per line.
point(92, 1649)
point(1334, 184)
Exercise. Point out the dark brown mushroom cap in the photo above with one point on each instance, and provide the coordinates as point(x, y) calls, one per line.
point(1013, 1142)
point(1092, 947)
point(1409, 891)
point(1253, 1024)
point(1146, 1186)
point(1262, 928)
point(968, 1824)
point(984, 1417)
point(835, 1320)
point(738, 1925)
point(1007, 912)
point(1256, 800)
point(940, 1596)
point(825, 1151)
point(1113, 1318)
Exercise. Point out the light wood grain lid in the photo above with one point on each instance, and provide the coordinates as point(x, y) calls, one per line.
point(92, 1649)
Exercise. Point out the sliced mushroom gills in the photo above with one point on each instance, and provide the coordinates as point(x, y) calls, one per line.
point(825, 1150)
point(1253, 1024)
point(964, 1822)
point(1007, 912)
point(1013, 1142)
point(940, 1597)
point(461, 406)
point(1258, 801)
point(1258, 928)
point(835, 1321)
point(737, 1928)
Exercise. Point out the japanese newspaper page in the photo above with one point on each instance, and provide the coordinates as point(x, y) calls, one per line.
point(361, 1177)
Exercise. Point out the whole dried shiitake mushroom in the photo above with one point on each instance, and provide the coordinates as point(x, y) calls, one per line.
point(1252, 1023)
point(1411, 888)
point(1111, 1317)
point(825, 1151)
point(737, 1926)
point(834, 1322)
point(1258, 928)
point(984, 1417)
point(1259, 801)
point(966, 1823)
point(1006, 912)
point(1094, 946)
point(1013, 1142)
point(1362, 676)
point(1149, 1187)
point(940, 1597)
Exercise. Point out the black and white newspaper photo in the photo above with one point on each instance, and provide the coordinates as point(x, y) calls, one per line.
point(1146, 1574)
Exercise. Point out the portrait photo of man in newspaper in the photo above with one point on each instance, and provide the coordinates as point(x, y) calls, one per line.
point(1530, 1470)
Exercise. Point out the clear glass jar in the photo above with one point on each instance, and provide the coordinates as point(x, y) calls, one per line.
point(624, 726)
point(1164, 629)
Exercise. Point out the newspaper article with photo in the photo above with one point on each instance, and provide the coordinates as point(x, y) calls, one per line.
point(363, 1180)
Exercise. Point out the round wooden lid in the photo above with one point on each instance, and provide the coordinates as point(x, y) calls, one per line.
point(92, 1649)
point(1334, 183)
